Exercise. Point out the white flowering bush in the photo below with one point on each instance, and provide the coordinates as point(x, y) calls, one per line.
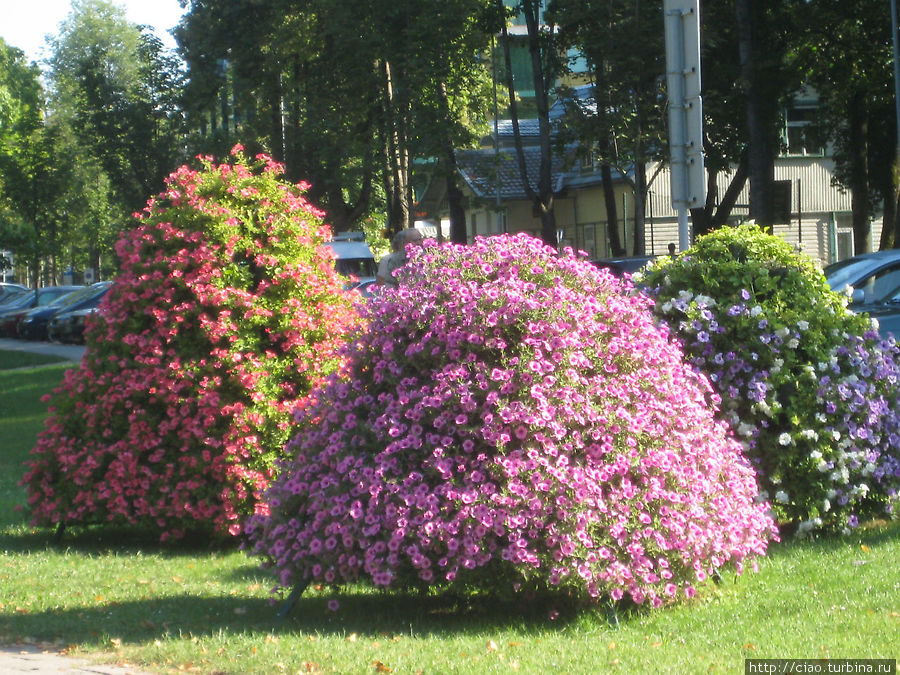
point(512, 420)
point(809, 387)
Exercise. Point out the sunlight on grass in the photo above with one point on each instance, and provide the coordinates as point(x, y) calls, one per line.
point(116, 595)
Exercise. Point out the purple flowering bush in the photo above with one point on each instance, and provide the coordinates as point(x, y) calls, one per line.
point(512, 420)
point(809, 387)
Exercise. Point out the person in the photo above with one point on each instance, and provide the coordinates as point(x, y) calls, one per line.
point(397, 257)
point(672, 248)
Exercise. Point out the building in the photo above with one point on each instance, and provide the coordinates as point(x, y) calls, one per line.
point(817, 214)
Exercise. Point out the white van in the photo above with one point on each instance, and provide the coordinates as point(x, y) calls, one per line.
point(354, 259)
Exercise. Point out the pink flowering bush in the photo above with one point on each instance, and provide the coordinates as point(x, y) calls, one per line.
point(810, 388)
point(512, 420)
point(224, 315)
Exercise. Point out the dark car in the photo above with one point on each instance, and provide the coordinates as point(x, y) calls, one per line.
point(12, 313)
point(8, 291)
point(623, 265)
point(33, 326)
point(67, 324)
point(869, 277)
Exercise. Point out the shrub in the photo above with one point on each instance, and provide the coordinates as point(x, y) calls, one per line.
point(511, 419)
point(809, 386)
point(225, 313)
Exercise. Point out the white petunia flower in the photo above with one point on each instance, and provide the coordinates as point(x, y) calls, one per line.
point(782, 497)
point(784, 439)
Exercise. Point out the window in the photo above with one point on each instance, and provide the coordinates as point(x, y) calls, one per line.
point(798, 135)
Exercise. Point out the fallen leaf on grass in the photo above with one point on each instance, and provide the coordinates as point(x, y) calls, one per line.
point(750, 647)
point(492, 646)
point(381, 668)
point(353, 637)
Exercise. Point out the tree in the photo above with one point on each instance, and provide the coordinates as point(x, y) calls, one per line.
point(624, 123)
point(116, 89)
point(346, 94)
point(850, 67)
point(24, 161)
point(763, 30)
point(544, 50)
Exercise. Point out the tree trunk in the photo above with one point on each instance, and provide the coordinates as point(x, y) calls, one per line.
point(759, 112)
point(732, 192)
point(276, 119)
point(640, 208)
point(890, 193)
point(543, 197)
point(396, 182)
point(612, 213)
point(458, 233)
point(858, 120)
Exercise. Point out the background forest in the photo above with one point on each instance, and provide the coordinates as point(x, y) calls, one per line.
point(370, 101)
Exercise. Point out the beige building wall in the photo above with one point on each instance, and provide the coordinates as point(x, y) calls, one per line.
point(820, 221)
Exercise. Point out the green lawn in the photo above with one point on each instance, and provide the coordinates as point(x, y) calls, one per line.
point(15, 359)
point(114, 596)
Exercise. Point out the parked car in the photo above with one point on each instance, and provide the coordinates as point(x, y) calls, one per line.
point(33, 326)
point(11, 313)
point(9, 290)
point(887, 314)
point(353, 258)
point(623, 265)
point(871, 276)
point(67, 324)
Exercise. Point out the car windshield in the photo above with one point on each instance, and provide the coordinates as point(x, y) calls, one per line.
point(841, 273)
point(77, 296)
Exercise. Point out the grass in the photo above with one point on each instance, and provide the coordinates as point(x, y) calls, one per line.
point(117, 597)
point(10, 359)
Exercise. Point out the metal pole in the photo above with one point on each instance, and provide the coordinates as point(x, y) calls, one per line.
point(896, 84)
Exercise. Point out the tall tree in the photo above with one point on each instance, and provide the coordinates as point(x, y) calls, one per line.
point(116, 89)
point(623, 123)
point(348, 94)
point(763, 40)
point(545, 58)
point(850, 66)
point(24, 161)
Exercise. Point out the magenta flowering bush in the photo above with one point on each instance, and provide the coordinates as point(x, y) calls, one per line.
point(224, 315)
point(511, 419)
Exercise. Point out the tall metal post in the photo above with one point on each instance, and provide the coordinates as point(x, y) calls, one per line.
point(682, 32)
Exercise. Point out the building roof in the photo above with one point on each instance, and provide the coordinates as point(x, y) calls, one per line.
point(484, 171)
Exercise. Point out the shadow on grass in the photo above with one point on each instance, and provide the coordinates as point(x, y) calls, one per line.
point(98, 540)
point(365, 612)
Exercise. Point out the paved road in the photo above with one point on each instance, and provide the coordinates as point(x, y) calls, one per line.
point(34, 659)
point(70, 352)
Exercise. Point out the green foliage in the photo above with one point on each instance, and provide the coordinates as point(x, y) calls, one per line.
point(807, 385)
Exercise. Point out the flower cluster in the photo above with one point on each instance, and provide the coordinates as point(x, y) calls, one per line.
point(810, 388)
point(226, 312)
point(511, 419)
